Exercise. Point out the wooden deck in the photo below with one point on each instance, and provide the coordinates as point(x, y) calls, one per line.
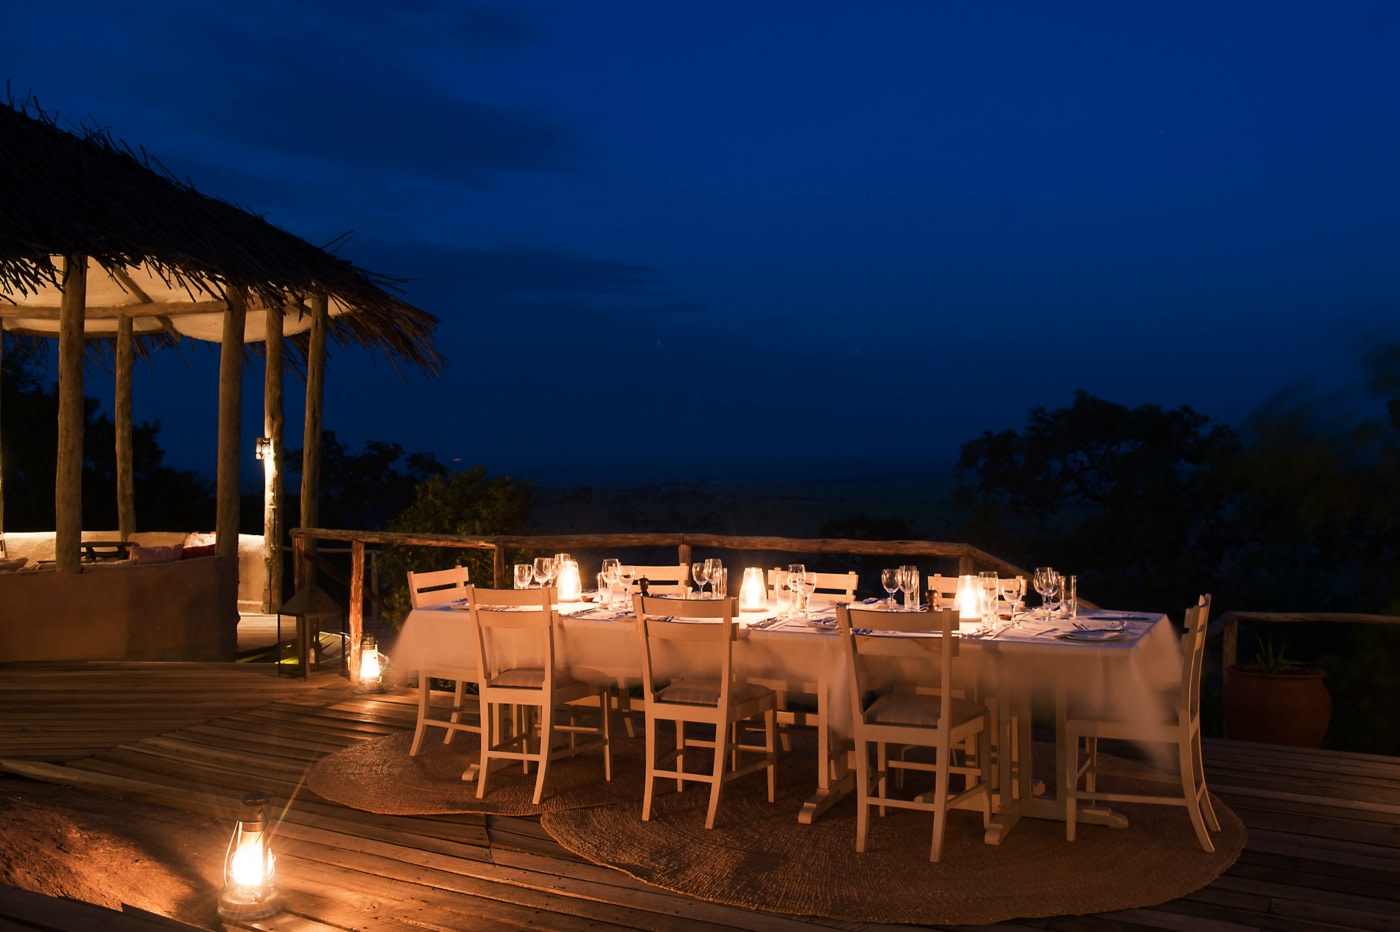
point(1324, 848)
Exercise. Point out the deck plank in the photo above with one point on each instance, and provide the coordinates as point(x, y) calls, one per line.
point(1323, 853)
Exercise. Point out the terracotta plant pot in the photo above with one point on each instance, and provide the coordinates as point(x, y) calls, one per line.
point(1292, 707)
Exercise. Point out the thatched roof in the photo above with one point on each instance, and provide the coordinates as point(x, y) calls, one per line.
point(168, 253)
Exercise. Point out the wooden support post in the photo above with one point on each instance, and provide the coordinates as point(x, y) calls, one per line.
point(68, 477)
point(121, 412)
point(357, 606)
point(2, 465)
point(272, 468)
point(230, 406)
point(311, 428)
point(500, 576)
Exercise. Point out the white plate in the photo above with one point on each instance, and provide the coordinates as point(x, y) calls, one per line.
point(1094, 634)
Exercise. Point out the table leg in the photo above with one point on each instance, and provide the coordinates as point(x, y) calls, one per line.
point(835, 778)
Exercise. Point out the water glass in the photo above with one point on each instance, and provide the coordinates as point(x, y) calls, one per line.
point(909, 583)
point(1069, 596)
point(524, 575)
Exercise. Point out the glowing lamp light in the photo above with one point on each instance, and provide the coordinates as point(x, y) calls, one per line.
point(969, 599)
point(753, 593)
point(371, 665)
point(570, 583)
point(249, 889)
point(262, 448)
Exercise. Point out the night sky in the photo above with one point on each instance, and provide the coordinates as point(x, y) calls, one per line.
point(803, 231)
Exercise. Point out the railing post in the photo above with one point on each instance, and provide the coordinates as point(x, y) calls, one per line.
point(357, 606)
point(498, 567)
point(683, 554)
point(1229, 645)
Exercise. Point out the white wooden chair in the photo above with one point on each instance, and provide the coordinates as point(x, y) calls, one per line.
point(546, 691)
point(663, 579)
point(699, 688)
point(1178, 726)
point(830, 587)
point(439, 587)
point(927, 717)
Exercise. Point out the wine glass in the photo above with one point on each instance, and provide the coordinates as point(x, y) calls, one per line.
point(609, 573)
point(787, 581)
point(1013, 590)
point(1046, 583)
point(909, 585)
point(798, 589)
point(889, 579)
point(988, 585)
point(625, 573)
point(524, 575)
point(714, 569)
point(543, 570)
point(700, 573)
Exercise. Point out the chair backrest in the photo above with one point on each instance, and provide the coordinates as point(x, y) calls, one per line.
point(705, 639)
point(435, 587)
point(662, 579)
point(942, 591)
point(876, 619)
point(517, 610)
point(832, 587)
point(931, 653)
point(1193, 649)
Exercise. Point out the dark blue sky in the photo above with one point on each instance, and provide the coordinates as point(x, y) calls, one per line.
point(914, 220)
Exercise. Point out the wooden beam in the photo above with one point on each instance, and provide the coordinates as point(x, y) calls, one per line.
point(68, 478)
point(121, 412)
point(272, 468)
point(230, 405)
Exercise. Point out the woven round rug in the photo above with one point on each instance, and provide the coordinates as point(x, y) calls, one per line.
point(378, 776)
point(759, 857)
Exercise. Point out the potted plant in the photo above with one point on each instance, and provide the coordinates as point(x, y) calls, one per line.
point(1276, 699)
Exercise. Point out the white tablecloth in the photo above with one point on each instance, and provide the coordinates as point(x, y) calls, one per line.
point(601, 645)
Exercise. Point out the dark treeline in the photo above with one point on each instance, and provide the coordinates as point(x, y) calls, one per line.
point(1295, 511)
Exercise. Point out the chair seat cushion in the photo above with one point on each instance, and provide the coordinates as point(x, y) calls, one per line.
point(907, 709)
point(706, 692)
point(519, 678)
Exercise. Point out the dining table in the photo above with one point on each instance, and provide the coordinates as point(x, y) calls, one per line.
point(1034, 665)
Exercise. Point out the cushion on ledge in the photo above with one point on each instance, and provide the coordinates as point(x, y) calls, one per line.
point(204, 550)
point(168, 554)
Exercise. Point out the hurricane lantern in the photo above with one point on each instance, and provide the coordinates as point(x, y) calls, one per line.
point(570, 583)
point(753, 594)
point(249, 889)
point(969, 599)
point(371, 666)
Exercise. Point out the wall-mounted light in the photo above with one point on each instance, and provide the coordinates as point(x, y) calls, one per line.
point(262, 448)
point(249, 891)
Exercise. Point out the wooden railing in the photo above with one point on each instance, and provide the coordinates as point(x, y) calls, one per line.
point(970, 559)
point(1227, 626)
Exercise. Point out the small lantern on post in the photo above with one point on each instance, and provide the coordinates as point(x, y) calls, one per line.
point(262, 448)
point(250, 891)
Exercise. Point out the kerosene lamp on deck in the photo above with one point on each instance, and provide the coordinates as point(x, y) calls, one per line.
point(250, 891)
